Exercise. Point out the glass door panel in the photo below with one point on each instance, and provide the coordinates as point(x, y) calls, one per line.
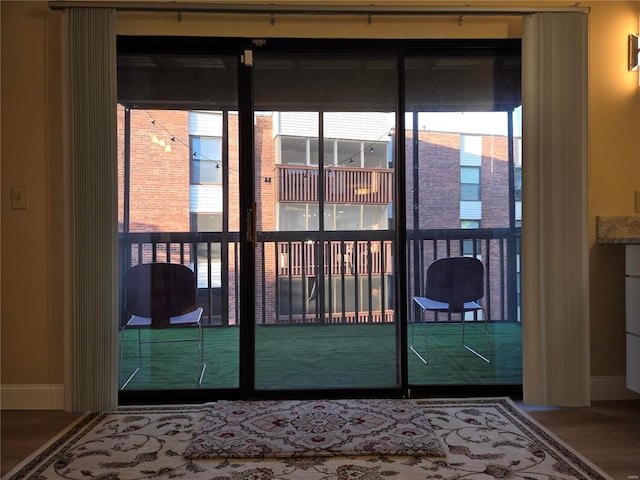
point(324, 193)
point(463, 175)
point(178, 203)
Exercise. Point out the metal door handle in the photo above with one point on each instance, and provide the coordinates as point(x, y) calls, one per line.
point(252, 234)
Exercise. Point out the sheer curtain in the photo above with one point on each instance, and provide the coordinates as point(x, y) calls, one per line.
point(93, 196)
point(555, 288)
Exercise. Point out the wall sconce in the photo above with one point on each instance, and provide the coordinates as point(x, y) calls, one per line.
point(634, 52)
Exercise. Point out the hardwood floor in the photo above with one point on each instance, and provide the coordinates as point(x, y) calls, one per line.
point(25, 431)
point(607, 433)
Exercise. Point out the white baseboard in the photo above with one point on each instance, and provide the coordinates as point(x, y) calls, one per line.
point(32, 397)
point(611, 388)
point(51, 397)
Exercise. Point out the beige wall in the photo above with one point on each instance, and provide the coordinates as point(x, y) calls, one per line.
point(32, 339)
point(615, 171)
point(32, 153)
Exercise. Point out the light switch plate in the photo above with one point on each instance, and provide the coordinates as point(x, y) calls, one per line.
point(18, 198)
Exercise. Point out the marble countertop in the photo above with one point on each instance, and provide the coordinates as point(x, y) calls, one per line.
point(624, 230)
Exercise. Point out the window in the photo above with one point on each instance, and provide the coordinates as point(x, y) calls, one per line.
point(469, 183)
point(206, 222)
point(293, 150)
point(517, 171)
point(468, 248)
point(349, 153)
point(206, 160)
point(342, 217)
point(354, 153)
point(297, 217)
point(375, 155)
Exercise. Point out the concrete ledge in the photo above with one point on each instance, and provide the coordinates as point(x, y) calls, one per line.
point(32, 397)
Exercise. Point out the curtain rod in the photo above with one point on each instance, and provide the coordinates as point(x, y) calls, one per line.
point(290, 9)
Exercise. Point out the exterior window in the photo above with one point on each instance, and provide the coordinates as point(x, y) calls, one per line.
point(469, 183)
point(298, 151)
point(342, 217)
point(344, 153)
point(517, 171)
point(206, 160)
point(293, 150)
point(349, 153)
point(375, 217)
point(467, 245)
point(375, 155)
point(329, 152)
point(518, 183)
point(206, 222)
point(347, 217)
point(295, 217)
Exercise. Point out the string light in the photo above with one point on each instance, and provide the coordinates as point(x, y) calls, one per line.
point(167, 148)
point(200, 156)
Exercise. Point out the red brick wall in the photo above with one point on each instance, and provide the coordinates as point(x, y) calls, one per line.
point(494, 182)
point(159, 179)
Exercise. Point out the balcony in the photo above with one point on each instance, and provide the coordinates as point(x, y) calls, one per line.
point(297, 183)
point(333, 294)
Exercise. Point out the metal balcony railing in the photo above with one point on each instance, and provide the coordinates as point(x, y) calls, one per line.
point(330, 277)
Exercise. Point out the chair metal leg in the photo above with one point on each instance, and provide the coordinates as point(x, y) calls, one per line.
point(203, 366)
point(200, 340)
point(413, 327)
point(486, 328)
point(139, 359)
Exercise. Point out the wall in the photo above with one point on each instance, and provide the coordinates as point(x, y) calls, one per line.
point(614, 128)
point(32, 254)
point(34, 260)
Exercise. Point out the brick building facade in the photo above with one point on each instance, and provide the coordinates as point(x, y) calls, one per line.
point(162, 197)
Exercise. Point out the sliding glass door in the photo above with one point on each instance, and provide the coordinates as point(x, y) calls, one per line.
point(308, 186)
point(324, 126)
point(463, 167)
point(178, 204)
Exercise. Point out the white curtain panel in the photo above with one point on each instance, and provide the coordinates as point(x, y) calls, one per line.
point(91, 40)
point(555, 287)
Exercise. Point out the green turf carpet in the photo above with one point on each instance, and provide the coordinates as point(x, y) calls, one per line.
point(326, 356)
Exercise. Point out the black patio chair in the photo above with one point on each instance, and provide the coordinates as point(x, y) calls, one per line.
point(160, 296)
point(454, 285)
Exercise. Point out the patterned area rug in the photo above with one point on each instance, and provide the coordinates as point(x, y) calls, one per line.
point(482, 438)
point(310, 428)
